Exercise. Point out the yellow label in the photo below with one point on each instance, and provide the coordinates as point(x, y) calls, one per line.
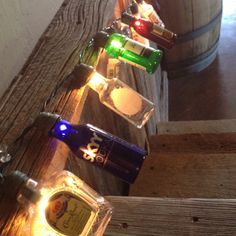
point(67, 213)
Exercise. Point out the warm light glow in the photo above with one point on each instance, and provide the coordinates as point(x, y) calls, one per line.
point(126, 101)
point(116, 44)
point(96, 81)
point(137, 23)
point(90, 153)
point(63, 127)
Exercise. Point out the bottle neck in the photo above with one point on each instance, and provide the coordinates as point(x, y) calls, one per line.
point(97, 82)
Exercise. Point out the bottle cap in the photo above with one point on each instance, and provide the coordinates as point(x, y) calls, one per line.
point(127, 18)
point(15, 183)
point(101, 38)
point(134, 8)
point(45, 121)
point(81, 74)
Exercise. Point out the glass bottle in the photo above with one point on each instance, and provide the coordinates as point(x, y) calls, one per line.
point(149, 30)
point(135, 36)
point(63, 205)
point(116, 95)
point(96, 146)
point(148, 12)
point(128, 50)
point(113, 68)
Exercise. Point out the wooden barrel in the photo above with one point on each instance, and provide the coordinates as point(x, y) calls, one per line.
point(197, 23)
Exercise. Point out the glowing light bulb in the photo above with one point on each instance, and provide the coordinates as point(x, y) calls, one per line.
point(116, 44)
point(137, 23)
point(60, 206)
point(63, 127)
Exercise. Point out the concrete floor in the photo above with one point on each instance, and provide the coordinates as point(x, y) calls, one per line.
point(210, 94)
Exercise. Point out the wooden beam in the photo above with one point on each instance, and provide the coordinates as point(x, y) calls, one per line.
point(187, 164)
point(171, 217)
point(53, 58)
point(201, 126)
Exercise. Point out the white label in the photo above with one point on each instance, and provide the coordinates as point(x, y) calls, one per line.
point(134, 46)
point(157, 30)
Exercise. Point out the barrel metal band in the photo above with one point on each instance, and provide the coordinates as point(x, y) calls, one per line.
point(198, 32)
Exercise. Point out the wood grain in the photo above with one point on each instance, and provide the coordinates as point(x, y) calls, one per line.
point(163, 216)
point(193, 127)
point(185, 164)
point(196, 53)
point(55, 55)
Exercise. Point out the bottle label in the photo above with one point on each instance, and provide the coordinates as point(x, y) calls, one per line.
point(97, 149)
point(164, 33)
point(134, 47)
point(139, 38)
point(157, 30)
point(153, 17)
point(113, 68)
point(67, 213)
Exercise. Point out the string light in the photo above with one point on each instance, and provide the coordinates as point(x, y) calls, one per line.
point(62, 205)
point(96, 146)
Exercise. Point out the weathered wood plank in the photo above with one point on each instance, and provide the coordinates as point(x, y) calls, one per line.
point(194, 143)
point(163, 216)
point(55, 55)
point(202, 126)
point(189, 165)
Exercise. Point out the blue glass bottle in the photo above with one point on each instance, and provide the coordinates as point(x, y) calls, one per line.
point(100, 148)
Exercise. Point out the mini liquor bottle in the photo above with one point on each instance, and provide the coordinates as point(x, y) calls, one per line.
point(96, 146)
point(113, 68)
point(148, 12)
point(128, 50)
point(149, 30)
point(135, 36)
point(63, 205)
point(116, 95)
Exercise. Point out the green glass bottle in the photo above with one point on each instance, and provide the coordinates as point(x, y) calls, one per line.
point(128, 50)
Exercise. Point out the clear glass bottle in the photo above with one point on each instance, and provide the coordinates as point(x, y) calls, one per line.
point(63, 205)
point(116, 95)
point(125, 49)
